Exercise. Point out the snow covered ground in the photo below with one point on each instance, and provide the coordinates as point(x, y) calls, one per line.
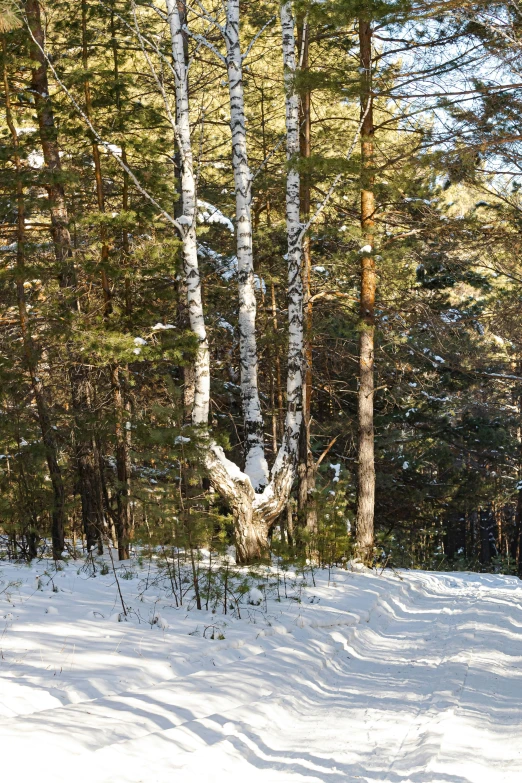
point(412, 677)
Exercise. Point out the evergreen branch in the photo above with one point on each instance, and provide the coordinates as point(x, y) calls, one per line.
point(105, 144)
point(338, 178)
point(147, 40)
point(204, 42)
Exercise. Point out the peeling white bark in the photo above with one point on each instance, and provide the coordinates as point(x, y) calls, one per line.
point(188, 222)
point(254, 512)
point(260, 509)
point(294, 238)
point(255, 462)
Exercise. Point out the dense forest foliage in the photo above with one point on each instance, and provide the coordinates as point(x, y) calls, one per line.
point(260, 279)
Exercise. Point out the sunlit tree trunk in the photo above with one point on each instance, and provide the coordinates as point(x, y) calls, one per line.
point(253, 512)
point(100, 196)
point(366, 457)
point(306, 467)
point(255, 462)
point(187, 220)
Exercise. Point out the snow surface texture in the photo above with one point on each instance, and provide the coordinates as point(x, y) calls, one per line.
point(412, 677)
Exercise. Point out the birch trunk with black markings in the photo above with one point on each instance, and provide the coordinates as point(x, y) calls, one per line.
point(253, 511)
point(255, 461)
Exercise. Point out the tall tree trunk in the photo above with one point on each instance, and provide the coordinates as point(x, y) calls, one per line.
point(486, 530)
point(119, 375)
point(31, 352)
point(255, 462)
point(253, 512)
point(100, 196)
point(88, 472)
point(123, 467)
point(516, 540)
point(306, 467)
point(366, 458)
point(189, 377)
point(49, 141)
point(196, 316)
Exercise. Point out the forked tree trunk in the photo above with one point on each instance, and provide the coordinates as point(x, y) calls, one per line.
point(253, 512)
point(366, 457)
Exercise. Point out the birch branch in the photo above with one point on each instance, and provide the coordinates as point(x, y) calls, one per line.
point(204, 42)
point(204, 15)
point(156, 78)
point(256, 38)
point(152, 45)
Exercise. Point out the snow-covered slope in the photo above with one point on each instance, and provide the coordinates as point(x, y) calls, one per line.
point(394, 677)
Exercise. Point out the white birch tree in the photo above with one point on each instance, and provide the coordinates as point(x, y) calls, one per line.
point(187, 220)
point(255, 461)
point(254, 511)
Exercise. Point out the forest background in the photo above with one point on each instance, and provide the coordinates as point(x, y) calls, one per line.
point(148, 170)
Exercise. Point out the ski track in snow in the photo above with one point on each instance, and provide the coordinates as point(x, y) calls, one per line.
point(412, 677)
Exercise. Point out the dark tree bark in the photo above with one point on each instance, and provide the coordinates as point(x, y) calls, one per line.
point(306, 466)
point(486, 535)
point(123, 468)
point(88, 471)
point(451, 536)
point(31, 355)
point(100, 196)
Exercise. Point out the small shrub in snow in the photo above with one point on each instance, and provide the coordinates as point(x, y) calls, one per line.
point(255, 597)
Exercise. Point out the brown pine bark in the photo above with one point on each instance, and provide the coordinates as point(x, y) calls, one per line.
point(93, 516)
point(100, 196)
point(123, 467)
point(306, 468)
point(48, 139)
point(123, 521)
point(366, 456)
point(58, 516)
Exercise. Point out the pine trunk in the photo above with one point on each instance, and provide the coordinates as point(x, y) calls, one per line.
point(31, 355)
point(89, 479)
point(366, 457)
point(306, 467)
point(123, 468)
point(100, 196)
